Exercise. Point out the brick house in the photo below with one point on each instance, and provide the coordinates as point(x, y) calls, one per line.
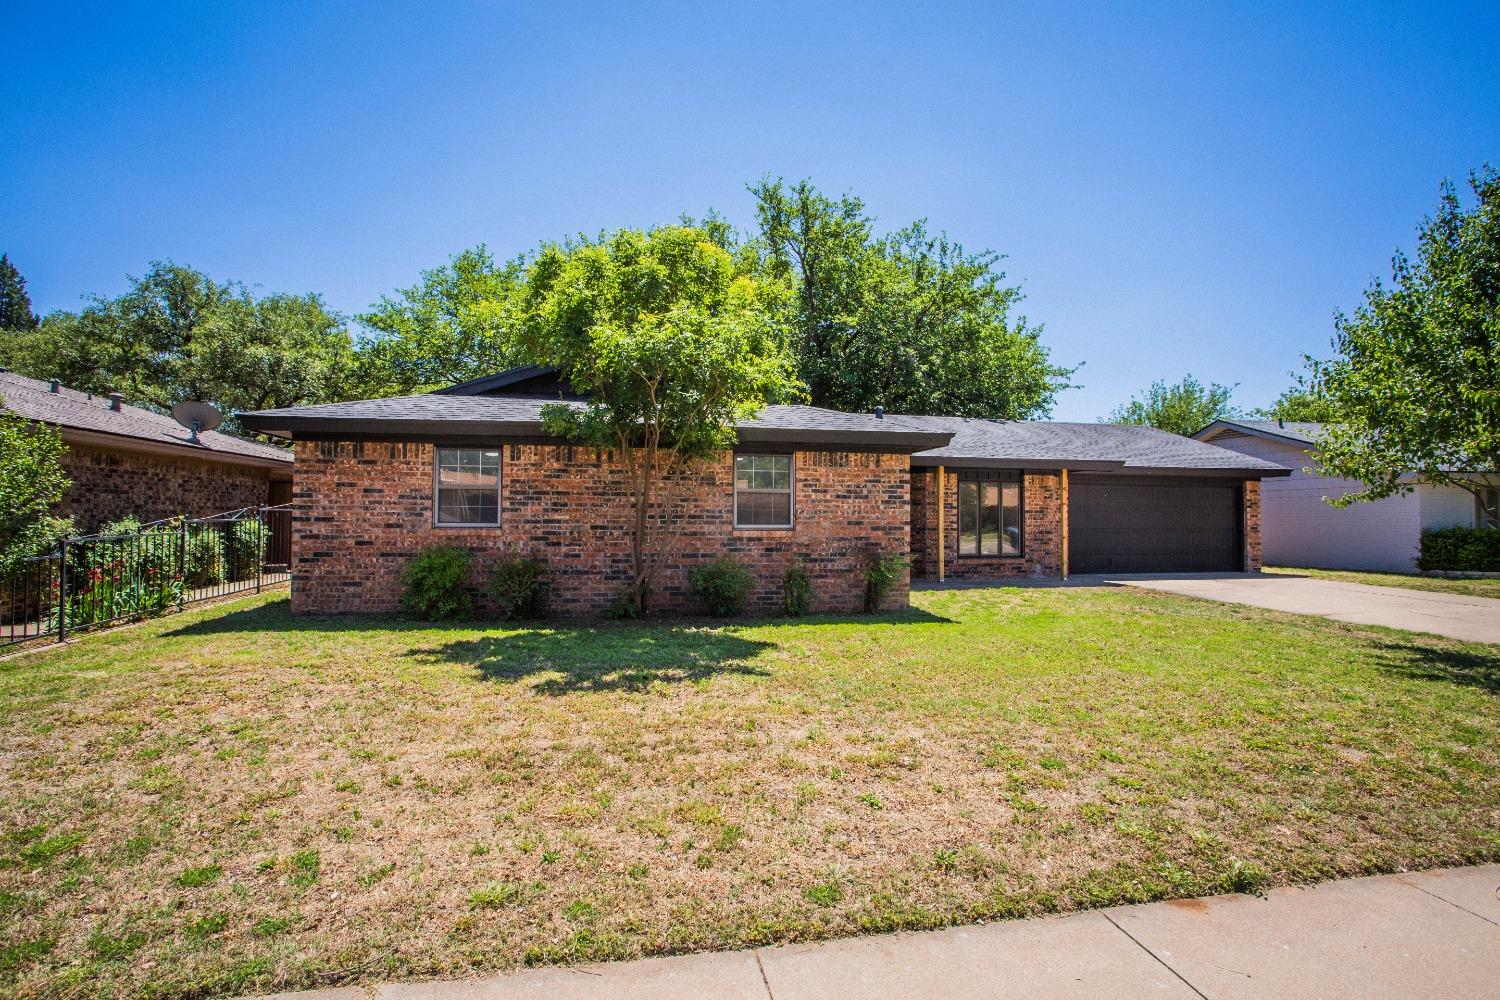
point(125, 460)
point(379, 480)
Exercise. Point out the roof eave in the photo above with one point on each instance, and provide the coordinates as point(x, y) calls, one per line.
point(126, 442)
point(929, 461)
point(292, 427)
point(1231, 425)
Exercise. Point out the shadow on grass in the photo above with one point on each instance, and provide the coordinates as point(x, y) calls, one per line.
point(1421, 661)
point(606, 658)
point(567, 657)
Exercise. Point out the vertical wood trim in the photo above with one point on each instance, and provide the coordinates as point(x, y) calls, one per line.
point(942, 537)
point(1064, 507)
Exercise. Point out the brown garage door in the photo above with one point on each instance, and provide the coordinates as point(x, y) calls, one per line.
point(1145, 524)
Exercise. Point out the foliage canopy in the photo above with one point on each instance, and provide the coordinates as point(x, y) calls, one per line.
point(1414, 382)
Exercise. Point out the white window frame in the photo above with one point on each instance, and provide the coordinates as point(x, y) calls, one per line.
point(791, 490)
point(437, 487)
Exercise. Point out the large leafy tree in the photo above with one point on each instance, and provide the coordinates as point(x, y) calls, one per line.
point(459, 322)
point(910, 321)
point(31, 482)
point(1415, 377)
point(177, 334)
point(673, 342)
point(15, 304)
point(1181, 408)
point(1302, 403)
point(278, 350)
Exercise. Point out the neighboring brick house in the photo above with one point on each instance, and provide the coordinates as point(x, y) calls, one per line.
point(125, 460)
point(379, 480)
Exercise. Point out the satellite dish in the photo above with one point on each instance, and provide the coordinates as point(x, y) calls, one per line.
point(196, 416)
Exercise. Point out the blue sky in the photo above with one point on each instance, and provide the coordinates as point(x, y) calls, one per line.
point(1190, 188)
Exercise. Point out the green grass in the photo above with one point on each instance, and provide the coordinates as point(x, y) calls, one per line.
point(234, 800)
point(1471, 587)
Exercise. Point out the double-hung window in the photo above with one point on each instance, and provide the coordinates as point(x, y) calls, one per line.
point(762, 491)
point(989, 517)
point(467, 487)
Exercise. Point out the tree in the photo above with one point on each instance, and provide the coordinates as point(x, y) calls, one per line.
point(177, 334)
point(275, 351)
point(459, 322)
point(1302, 403)
point(31, 482)
point(910, 321)
point(1184, 408)
point(1415, 376)
point(673, 343)
point(15, 304)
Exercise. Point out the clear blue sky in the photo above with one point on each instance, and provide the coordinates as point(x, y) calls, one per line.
point(1190, 189)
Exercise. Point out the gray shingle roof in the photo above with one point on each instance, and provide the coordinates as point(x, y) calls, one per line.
point(33, 399)
point(1116, 447)
point(432, 413)
point(1293, 430)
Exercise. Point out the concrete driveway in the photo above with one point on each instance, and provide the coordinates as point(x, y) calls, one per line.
point(1471, 619)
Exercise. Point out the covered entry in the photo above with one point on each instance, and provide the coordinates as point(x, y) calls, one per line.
point(1154, 524)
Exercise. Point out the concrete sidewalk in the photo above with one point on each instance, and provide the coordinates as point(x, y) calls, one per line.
point(1435, 934)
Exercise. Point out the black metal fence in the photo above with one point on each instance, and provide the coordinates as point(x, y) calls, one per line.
point(96, 580)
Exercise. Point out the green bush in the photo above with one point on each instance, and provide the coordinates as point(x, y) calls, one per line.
point(128, 572)
point(520, 586)
point(625, 605)
point(1461, 549)
point(796, 590)
point(433, 584)
point(880, 577)
point(245, 548)
point(723, 585)
point(203, 556)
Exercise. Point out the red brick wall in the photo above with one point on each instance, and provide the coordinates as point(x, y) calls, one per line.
point(110, 484)
point(1252, 526)
point(361, 509)
point(1041, 530)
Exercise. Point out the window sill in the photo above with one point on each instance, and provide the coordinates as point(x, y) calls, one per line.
point(765, 527)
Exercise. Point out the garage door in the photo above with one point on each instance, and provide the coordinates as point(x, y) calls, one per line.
point(1119, 524)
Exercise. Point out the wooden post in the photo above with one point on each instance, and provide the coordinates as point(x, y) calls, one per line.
point(942, 541)
point(1064, 524)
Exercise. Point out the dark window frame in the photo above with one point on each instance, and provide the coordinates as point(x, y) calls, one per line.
point(1490, 497)
point(790, 491)
point(437, 486)
point(999, 478)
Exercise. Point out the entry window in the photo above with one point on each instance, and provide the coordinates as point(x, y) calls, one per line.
point(1487, 512)
point(762, 491)
point(989, 519)
point(467, 486)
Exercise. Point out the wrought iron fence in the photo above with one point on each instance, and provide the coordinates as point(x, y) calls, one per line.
point(96, 580)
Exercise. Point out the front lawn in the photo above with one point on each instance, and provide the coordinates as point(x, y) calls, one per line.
point(235, 800)
point(1468, 586)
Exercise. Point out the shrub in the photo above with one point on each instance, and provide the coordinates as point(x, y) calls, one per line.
point(723, 585)
point(245, 548)
point(520, 585)
point(625, 604)
point(880, 577)
point(1461, 549)
point(796, 590)
point(31, 482)
point(203, 556)
point(433, 584)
